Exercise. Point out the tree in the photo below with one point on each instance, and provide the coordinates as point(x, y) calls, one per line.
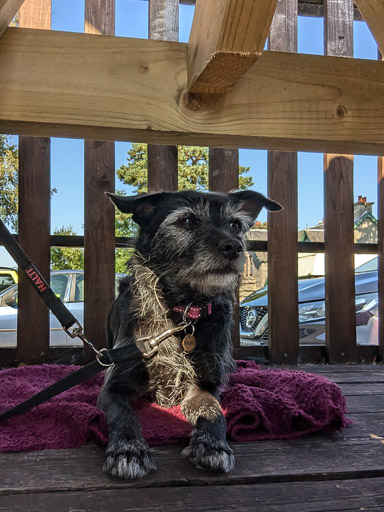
point(193, 168)
point(9, 181)
point(63, 258)
point(124, 226)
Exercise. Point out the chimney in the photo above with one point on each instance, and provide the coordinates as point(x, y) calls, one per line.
point(361, 207)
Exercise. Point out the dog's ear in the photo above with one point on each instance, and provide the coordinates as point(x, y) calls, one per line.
point(252, 202)
point(141, 206)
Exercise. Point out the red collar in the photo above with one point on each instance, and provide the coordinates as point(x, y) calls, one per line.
point(194, 312)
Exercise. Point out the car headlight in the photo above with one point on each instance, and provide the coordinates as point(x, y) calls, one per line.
point(310, 311)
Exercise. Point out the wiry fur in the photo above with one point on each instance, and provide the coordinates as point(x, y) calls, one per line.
point(189, 250)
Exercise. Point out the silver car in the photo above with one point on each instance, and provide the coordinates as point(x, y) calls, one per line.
point(68, 285)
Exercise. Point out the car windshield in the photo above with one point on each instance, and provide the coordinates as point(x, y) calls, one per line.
point(369, 266)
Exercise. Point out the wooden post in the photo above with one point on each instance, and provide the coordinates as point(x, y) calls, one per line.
point(380, 242)
point(283, 324)
point(34, 218)
point(338, 211)
point(162, 160)
point(99, 213)
point(223, 177)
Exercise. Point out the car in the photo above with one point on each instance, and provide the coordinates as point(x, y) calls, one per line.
point(68, 285)
point(254, 310)
point(8, 277)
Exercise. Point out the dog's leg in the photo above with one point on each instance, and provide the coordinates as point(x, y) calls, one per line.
point(128, 454)
point(208, 447)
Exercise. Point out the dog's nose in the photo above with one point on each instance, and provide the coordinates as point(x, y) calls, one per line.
point(230, 248)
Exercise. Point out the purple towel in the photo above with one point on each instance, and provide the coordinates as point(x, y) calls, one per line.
point(258, 404)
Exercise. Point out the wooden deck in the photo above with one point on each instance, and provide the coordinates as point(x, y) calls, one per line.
point(342, 473)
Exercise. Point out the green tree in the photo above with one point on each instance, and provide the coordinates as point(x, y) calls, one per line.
point(63, 258)
point(9, 181)
point(124, 226)
point(193, 168)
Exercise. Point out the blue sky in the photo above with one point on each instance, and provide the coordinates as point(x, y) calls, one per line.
point(67, 158)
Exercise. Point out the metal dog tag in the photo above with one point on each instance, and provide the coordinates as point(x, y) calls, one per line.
point(189, 342)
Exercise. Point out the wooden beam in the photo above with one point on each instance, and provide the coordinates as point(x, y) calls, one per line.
point(34, 217)
point(227, 37)
point(163, 160)
point(338, 211)
point(99, 213)
point(105, 88)
point(283, 323)
point(373, 14)
point(8, 10)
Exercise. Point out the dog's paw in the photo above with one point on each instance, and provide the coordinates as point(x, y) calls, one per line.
point(210, 453)
point(129, 459)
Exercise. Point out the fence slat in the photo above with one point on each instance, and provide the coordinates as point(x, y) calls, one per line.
point(282, 227)
point(381, 253)
point(223, 176)
point(8, 9)
point(163, 23)
point(99, 215)
point(380, 242)
point(34, 218)
point(338, 210)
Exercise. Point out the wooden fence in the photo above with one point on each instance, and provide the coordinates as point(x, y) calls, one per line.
point(282, 246)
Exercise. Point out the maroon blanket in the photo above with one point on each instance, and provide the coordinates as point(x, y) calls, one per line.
point(258, 404)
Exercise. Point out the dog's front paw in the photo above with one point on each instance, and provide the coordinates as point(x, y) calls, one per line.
point(129, 459)
point(210, 453)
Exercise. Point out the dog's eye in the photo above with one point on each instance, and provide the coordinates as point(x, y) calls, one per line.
point(187, 222)
point(235, 225)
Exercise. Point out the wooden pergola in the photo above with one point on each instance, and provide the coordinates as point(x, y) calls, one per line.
point(219, 90)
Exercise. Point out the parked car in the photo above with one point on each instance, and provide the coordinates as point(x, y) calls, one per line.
point(254, 310)
point(68, 285)
point(8, 277)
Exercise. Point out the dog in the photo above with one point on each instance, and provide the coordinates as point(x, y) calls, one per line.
point(179, 291)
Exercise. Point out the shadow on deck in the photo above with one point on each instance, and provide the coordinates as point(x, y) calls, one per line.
point(342, 473)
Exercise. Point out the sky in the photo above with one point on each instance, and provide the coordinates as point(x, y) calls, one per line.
point(67, 155)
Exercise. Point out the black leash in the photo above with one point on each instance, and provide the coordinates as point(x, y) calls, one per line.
point(104, 357)
point(127, 354)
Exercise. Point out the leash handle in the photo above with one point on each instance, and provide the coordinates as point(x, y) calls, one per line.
point(41, 286)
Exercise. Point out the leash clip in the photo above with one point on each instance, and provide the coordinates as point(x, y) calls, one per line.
point(77, 332)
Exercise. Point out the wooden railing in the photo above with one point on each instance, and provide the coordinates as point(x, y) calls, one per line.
point(282, 245)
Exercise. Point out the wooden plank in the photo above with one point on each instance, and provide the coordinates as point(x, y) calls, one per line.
point(163, 160)
point(380, 242)
point(380, 171)
point(373, 14)
point(36, 14)
point(338, 210)
point(283, 328)
point(339, 261)
point(99, 213)
point(106, 90)
point(346, 495)
point(223, 170)
point(314, 458)
point(227, 38)
point(34, 218)
point(8, 10)
point(223, 176)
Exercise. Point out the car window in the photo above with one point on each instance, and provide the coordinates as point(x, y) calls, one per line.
point(79, 290)
point(6, 280)
point(59, 283)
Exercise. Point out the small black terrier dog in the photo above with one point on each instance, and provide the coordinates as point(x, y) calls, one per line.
point(175, 309)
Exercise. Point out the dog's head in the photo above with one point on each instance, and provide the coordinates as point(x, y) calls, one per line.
point(194, 240)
